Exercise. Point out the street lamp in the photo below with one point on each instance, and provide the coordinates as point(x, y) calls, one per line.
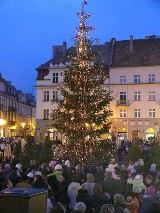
point(2, 123)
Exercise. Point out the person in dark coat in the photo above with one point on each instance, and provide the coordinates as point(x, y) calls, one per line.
point(110, 185)
point(96, 200)
point(38, 182)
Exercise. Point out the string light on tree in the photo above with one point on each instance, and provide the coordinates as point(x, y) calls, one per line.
point(85, 100)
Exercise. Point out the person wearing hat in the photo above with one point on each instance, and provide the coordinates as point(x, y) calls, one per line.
point(16, 174)
point(30, 177)
point(148, 200)
point(138, 185)
point(54, 179)
point(38, 182)
point(132, 202)
point(89, 184)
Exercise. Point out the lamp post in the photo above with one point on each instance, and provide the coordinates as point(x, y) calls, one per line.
point(2, 123)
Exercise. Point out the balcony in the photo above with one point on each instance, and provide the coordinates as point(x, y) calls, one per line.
point(11, 123)
point(123, 103)
point(12, 109)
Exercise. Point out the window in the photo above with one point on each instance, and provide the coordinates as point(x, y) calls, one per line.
point(46, 114)
point(55, 95)
point(46, 95)
point(123, 98)
point(137, 113)
point(123, 113)
point(137, 96)
point(151, 78)
point(151, 95)
point(137, 79)
point(122, 79)
point(152, 113)
point(55, 77)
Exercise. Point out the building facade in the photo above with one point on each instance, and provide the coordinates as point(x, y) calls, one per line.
point(133, 77)
point(17, 114)
point(135, 85)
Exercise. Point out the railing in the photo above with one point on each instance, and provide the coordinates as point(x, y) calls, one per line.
point(123, 103)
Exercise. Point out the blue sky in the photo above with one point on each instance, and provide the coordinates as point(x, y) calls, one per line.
point(29, 29)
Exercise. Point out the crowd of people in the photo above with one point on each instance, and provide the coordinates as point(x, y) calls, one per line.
point(91, 187)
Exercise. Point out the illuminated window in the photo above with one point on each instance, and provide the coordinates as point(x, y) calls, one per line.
point(123, 113)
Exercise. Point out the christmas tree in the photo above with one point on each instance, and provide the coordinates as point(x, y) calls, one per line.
point(83, 112)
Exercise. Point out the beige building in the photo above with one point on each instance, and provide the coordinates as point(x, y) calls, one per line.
point(48, 81)
point(135, 85)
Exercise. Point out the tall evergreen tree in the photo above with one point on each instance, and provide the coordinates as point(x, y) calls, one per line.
point(83, 112)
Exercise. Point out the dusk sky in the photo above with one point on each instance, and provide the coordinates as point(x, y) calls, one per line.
point(29, 29)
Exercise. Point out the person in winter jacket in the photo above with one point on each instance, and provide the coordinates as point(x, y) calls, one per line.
point(138, 185)
point(147, 200)
point(73, 191)
point(97, 199)
point(132, 203)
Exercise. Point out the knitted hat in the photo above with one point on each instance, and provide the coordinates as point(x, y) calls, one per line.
point(141, 162)
point(67, 163)
point(90, 177)
point(30, 175)
point(153, 167)
point(150, 191)
point(137, 177)
point(19, 166)
point(38, 173)
point(58, 167)
point(52, 163)
point(80, 207)
point(7, 166)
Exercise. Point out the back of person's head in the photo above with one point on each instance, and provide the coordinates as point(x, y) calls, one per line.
point(80, 207)
point(106, 208)
point(75, 178)
point(118, 198)
point(97, 189)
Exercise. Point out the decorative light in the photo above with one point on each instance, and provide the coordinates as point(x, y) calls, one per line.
point(2, 122)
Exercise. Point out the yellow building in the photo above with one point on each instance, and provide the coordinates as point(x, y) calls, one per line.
point(135, 85)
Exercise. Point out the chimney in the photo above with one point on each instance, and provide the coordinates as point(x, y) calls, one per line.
point(113, 41)
point(64, 48)
point(131, 44)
